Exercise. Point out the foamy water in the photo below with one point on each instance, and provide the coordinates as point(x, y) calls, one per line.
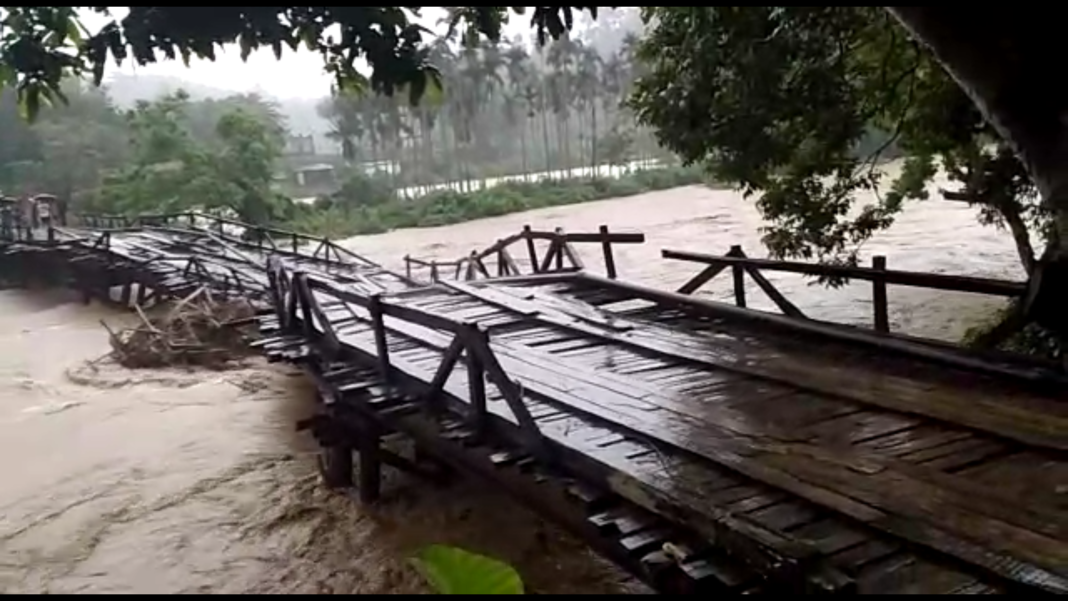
point(169, 481)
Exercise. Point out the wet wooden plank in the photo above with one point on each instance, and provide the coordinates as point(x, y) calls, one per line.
point(925, 436)
point(904, 501)
point(1023, 416)
point(678, 486)
point(932, 380)
point(1037, 477)
point(831, 470)
point(831, 536)
point(848, 508)
point(786, 515)
point(855, 427)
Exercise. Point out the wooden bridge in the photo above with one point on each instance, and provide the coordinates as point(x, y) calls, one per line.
point(702, 446)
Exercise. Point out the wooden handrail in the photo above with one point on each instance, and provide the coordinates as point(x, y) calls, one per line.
point(915, 279)
point(467, 339)
point(190, 217)
point(560, 256)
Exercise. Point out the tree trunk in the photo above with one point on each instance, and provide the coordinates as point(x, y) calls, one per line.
point(1000, 59)
point(545, 143)
point(567, 140)
point(523, 146)
point(593, 136)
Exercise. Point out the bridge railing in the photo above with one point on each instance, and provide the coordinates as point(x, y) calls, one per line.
point(741, 266)
point(22, 233)
point(263, 237)
point(296, 298)
point(497, 259)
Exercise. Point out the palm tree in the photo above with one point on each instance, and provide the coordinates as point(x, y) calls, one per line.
point(517, 104)
point(344, 113)
point(505, 109)
point(588, 86)
point(562, 60)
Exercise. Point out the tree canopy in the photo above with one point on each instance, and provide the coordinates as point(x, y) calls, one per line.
point(39, 45)
point(506, 109)
point(779, 100)
point(184, 155)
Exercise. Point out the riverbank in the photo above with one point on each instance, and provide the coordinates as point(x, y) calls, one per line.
point(365, 206)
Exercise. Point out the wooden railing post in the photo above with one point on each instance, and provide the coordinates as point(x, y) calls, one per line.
point(560, 241)
point(369, 447)
point(296, 242)
point(408, 266)
point(472, 266)
point(433, 271)
point(476, 377)
point(531, 250)
point(739, 277)
point(609, 260)
point(381, 346)
point(878, 296)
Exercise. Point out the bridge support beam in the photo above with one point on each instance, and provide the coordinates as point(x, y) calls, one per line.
point(369, 447)
point(336, 466)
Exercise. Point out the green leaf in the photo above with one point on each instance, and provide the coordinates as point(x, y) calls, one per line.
point(452, 571)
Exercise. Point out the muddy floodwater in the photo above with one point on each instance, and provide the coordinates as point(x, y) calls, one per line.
point(169, 481)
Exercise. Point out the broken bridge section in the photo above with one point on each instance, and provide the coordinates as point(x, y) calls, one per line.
point(738, 452)
point(701, 446)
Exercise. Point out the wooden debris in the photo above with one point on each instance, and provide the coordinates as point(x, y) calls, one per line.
point(196, 331)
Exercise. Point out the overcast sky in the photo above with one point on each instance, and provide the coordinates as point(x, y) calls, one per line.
point(298, 75)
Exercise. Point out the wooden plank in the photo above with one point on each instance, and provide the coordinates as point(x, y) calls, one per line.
point(760, 535)
point(784, 305)
point(1023, 417)
point(701, 279)
point(567, 435)
point(1000, 365)
point(875, 489)
point(1036, 476)
point(900, 278)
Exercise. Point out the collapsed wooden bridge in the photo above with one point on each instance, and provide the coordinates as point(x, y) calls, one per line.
point(704, 447)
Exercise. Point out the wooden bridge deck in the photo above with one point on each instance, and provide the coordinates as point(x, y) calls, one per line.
point(796, 449)
point(685, 439)
point(175, 261)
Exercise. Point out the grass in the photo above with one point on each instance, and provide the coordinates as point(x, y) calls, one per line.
point(365, 207)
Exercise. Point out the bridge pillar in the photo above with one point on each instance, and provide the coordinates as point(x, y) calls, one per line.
point(336, 466)
point(369, 447)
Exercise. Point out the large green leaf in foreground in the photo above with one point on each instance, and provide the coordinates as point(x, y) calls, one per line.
point(454, 571)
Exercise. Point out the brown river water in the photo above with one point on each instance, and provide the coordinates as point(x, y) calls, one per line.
point(126, 481)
